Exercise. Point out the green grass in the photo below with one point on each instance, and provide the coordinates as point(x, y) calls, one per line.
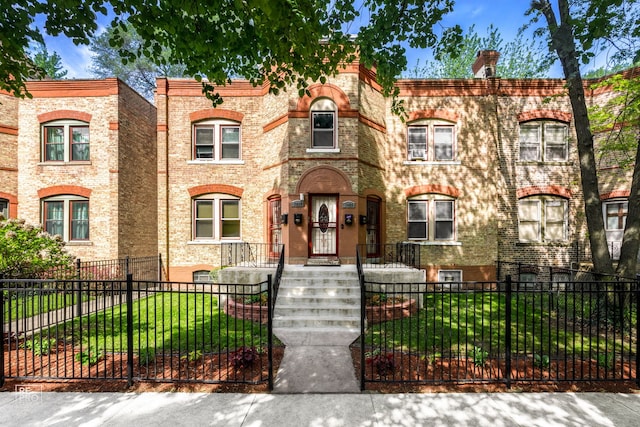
point(462, 322)
point(165, 322)
point(21, 306)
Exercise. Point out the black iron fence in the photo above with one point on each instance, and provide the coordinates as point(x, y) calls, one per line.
point(260, 255)
point(142, 268)
point(137, 330)
point(499, 332)
point(395, 255)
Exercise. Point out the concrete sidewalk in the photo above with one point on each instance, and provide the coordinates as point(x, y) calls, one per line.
point(319, 410)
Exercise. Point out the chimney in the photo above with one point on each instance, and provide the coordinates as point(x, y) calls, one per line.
point(485, 65)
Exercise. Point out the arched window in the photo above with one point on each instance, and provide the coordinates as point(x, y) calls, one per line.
point(65, 141)
point(431, 217)
point(216, 140)
point(543, 219)
point(544, 141)
point(431, 140)
point(324, 124)
point(216, 217)
point(66, 216)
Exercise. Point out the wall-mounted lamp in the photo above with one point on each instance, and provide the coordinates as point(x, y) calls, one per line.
point(301, 196)
point(297, 218)
point(284, 218)
point(363, 219)
point(348, 219)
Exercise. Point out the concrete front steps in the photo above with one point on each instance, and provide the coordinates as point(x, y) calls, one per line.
point(322, 298)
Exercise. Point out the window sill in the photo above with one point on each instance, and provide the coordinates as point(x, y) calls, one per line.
point(211, 242)
point(538, 163)
point(215, 162)
point(63, 163)
point(435, 243)
point(558, 244)
point(323, 150)
point(79, 243)
point(431, 163)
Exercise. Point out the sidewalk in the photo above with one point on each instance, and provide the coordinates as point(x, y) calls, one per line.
point(319, 410)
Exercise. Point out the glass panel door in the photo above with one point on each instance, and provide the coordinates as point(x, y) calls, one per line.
point(323, 227)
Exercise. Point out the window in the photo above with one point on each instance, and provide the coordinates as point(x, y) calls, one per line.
point(431, 218)
point(65, 141)
point(528, 278)
point(449, 275)
point(4, 209)
point(615, 217)
point(543, 141)
point(67, 217)
point(433, 142)
point(542, 219)
point(323, 124)
point(216, 140)
point(216, 217)
point(202, 276)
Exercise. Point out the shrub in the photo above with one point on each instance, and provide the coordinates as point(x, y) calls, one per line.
point(382, 363)
point(541, 361)
point(244, 357)
point(40, 346)
point(479, 356)
point(89, 357)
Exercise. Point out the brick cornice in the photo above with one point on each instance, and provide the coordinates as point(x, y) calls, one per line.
point(200, 190)
point(73, 88)
point(562, 116)
point(555, 190)
point(432, 189)
point(615, 194)
point(215, 113)
point(64, 114)
point(57, 190)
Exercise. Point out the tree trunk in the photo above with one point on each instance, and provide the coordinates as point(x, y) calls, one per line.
point(627, 264)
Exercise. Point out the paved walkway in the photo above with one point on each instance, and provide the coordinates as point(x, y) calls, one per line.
point(319, 410)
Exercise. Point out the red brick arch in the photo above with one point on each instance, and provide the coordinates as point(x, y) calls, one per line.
point(432, 189)
point(326, 90)
point(554, 190)
point(200, 190)
point(215, 113)
point(57, 190)
point(450, 116)
point(615, 194)
point(562, 116)
point(64, 115)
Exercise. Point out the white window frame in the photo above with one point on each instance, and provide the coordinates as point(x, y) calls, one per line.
point(67, 140)
point(323, 106)
point(445, 276)
point(67, 220)
point(605, 213)
point(198, 276)
point(217, 202)
point(431, 221)
point(427, 151)
point(543, 221)
point(217, 143)
point(542, 142)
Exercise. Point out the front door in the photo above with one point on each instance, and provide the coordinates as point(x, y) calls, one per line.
point(323, 227)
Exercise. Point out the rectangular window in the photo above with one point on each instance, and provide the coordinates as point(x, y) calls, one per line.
point(230, 142)
point(417, 220)
point(540, 141)
point(230, 219)
point(204, 219)
point(79, 142)
point(554, 220)
point(529, 220)
point(616, 215)
point(443, 142)
point(444, 220)
point(323, 129)
point(4, 209)
point(417, 143)
point(530, 142)
point(555, 137)
point(449, 275)
point(204, 142)
point(79, 220)
point(54, 143)
point(54, 218)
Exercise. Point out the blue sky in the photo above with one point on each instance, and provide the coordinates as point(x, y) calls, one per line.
point(507, 15)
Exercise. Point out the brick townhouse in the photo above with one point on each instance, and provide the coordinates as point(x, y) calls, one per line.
point(479, 170)
point(80, 159)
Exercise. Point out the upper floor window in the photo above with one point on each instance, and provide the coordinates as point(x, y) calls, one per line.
point(216, 140)
point(66, 216)
point(542, 219)
point(543, 141)
point(216, 217)
point(323, 124)
point(430, 142)
point(4, 209)
point(431, 217)
point(616, 214)
point(65, 141)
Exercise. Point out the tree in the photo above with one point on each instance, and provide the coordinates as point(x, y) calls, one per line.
point(139, 73)
point(51, 64)
point(519, 58)
point(274, 42)
point(584, 28)
point(28, 252)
